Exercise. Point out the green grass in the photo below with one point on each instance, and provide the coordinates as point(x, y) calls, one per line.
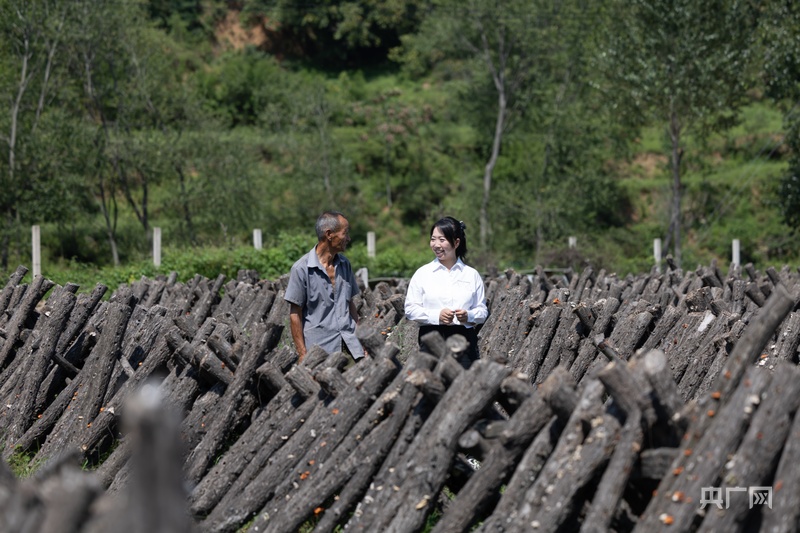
point(23, 464)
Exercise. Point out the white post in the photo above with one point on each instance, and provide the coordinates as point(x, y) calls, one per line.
point(736, 249)
point(657, 253)
point(157, 247)
point(363, 273)
point(257, 239)
point(573, 242)
point(36, 250)
point(370, 244)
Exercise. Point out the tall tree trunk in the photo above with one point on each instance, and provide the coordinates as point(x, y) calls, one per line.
point(108, 207)
point(489, 169)
point(322, 120)
point(388, 160)
point(6, 245)
point(10, 192)
point(187, 215)
point(123, 177)
point(52, 47)
point(677, 153)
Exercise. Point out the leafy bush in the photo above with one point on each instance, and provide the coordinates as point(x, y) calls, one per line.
point(270, 263)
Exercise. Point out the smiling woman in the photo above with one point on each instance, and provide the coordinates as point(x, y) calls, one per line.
point(446, 295)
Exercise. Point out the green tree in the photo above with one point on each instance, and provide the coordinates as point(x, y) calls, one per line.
point(680, 64)
point(219, 192)
point(526, 67)
point(348, 32)
point(31, 47)
point(779, 38)
point(136, 101)
point(100, 67)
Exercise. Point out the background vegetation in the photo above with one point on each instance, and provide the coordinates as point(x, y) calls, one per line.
point(616, 122)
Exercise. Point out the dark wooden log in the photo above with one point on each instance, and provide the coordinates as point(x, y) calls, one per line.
point(40, 362)
point(370, 378)
point(753, 292)
point(16, 297)
point(651, 290)
point(260, 307)
point(551, 484)
point(719, 439)
point(359, 455)
point(698, 356)
point(220, 343)
point(615, 477)
point(88, 398)
point(156, 494)
point(46, 422)
point(179, 390)
point(631, 333)
point(167, 294)
point(580, 361)
point(405, 509)
point(584, 314)
point(241, 301)
point(12, 377)
point(559, 500)
point(68, 497)
point(207, 364)
point(138, 344)
point(537, 344)
point(789, 339)
point(501, 456)
point(318, 431)
point(738, 296)
point(154, 293)
point(370, 339)
point(654, 463)
point(757, 456)
point(753, 340)
point(280, 417)
point(632, 395)
point(8, 290)
point(667, 400)
point(264, 339)
point(108, 352)
point(499, 337)
point(585, 279)
point(725, 344)
point(202, 309)
point(22, 312)
point(156, 359)
point(786, 486)
point(280, 308)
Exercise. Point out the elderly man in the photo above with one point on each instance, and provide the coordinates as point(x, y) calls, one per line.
point(321, 290)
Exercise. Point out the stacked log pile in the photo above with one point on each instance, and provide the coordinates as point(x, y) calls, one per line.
point(599, 404)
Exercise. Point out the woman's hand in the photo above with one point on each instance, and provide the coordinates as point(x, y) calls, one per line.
point(446, 316)
point(462, 316)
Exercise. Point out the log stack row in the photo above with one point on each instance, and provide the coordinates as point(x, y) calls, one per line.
point(599, 404)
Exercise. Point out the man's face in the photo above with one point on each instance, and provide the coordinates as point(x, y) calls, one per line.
point(341, 238)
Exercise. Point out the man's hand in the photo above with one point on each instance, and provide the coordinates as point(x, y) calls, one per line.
point(462, 315)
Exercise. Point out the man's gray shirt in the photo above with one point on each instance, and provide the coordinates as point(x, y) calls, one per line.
point(326, 311)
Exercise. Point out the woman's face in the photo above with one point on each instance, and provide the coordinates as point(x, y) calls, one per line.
point(441, 247)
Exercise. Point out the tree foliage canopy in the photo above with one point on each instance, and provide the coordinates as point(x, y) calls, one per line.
point(210, 118)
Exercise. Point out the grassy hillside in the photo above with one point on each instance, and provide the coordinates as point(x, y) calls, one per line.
point(395, 151)
point(730, 192)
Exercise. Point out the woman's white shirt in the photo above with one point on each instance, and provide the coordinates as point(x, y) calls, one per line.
point(433, 288)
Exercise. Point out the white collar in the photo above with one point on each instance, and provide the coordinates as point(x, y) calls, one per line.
point(437, 265)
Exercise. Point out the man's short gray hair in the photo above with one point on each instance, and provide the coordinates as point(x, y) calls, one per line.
point(329, 220)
